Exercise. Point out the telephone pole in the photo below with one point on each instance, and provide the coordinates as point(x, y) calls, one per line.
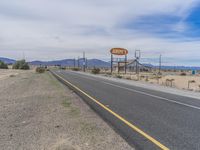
point(78, 63)
point(137, 57)
point(74, 62)
point(84, 61)
point(160, 63)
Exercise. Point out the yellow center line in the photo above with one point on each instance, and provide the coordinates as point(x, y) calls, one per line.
point(161, 146)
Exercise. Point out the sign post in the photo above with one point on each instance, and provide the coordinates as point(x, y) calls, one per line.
point(119, 52)
point(111, 63)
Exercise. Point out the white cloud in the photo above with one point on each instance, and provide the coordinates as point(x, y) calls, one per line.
point(55, 29)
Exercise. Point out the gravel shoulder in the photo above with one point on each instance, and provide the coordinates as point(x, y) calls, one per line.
point(39, 113)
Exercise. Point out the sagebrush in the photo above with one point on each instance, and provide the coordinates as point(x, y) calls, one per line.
point(76, 69)
point(96, 70)
point(40, 69)
point(3, 65)
point(21, 64)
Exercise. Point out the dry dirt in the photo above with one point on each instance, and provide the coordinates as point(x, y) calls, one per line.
point(179, 82)
point(39, 113)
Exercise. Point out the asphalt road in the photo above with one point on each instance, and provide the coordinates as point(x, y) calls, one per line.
point(166, 119)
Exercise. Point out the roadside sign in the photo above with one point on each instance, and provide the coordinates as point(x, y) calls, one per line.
point(119, 51)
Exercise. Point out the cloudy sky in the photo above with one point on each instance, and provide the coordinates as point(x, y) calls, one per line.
point(58, 29)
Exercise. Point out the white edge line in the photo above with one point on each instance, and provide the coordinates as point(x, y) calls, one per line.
point(144, 93)
point(166, 99)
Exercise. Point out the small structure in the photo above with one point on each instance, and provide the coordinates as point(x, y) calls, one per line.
point(132, 66)
point(169, 82)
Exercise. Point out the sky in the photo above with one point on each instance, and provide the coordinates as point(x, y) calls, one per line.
point(60, 29)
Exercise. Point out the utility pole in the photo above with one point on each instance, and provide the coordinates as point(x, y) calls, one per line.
point(136, 67)
point(137, 57)
point(78, 62)
point(74, 62)
point(160, 63)
point(84, 61)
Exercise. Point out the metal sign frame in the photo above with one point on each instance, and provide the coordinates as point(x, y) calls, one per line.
point(119, 52)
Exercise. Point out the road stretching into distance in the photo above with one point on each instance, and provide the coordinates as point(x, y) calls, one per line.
point(146, 119)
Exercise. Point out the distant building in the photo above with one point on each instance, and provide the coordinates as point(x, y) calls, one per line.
point(131, 66)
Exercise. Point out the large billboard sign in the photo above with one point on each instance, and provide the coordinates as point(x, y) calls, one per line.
point(119, 51)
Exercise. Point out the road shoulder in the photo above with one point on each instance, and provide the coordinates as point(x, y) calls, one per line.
point(38, 112)
point(170, 90)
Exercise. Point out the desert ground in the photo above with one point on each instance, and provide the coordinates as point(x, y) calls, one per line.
point(39, 113)
point(170, 79)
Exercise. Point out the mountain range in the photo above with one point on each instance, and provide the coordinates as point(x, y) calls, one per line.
point(90, 63)
point(64, 62)
point(72, 62)
point(7, 60)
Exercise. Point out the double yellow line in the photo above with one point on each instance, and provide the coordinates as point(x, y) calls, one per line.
point(161, 146)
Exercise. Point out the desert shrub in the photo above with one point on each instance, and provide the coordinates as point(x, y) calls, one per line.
point(40, 70)
point(128, 78)
point(12, 75)
point(142, 77)
point(21, 64)
point(96, 70)
point(3, 65)
point(109, 73)
point(183, 74)
point(119, 76)
point(76, 69)
point(62, 67)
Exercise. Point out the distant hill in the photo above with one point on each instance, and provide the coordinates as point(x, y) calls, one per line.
point(7, 60)
point(91, 63)
point(97, 63)
point(174, 67)
point(65, 62)
point(180, 68)
point(70, 63)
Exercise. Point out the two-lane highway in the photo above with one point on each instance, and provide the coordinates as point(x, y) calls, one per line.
point(147, 119)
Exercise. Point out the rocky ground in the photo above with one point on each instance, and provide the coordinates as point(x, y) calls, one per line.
point(39, 113)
